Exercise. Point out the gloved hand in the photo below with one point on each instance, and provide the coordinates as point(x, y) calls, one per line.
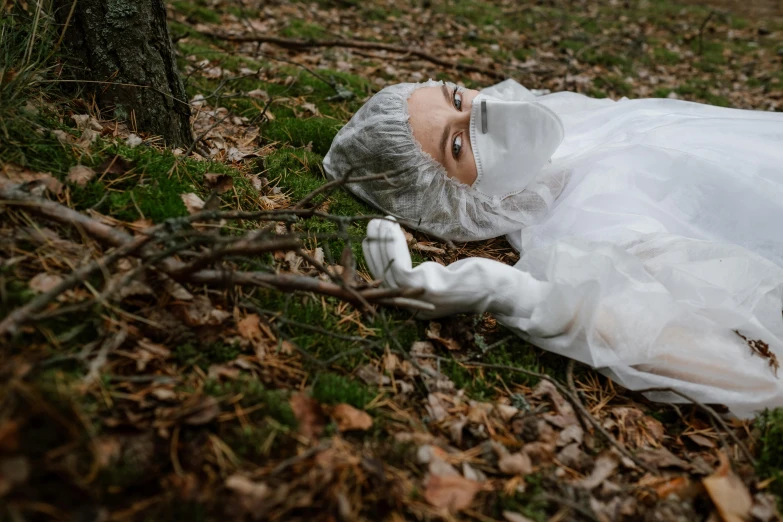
point(472, 285)
point(386, 252)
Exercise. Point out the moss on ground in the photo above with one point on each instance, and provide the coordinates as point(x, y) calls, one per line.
point(315, 132)
point(304, 30)
point(331, 388)
point(266, 402)
point(196, 11)
point(770, 455)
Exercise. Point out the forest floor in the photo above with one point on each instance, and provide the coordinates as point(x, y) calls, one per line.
point(128, 395)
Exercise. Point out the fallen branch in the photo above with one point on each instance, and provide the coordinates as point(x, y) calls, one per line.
point(572, 388)
point(25, 313)
point(293, 43)
point(578, 406)
point(290, 282)
point(14, 195)
point(249, 245)
point(711, 412)
point(143, 247)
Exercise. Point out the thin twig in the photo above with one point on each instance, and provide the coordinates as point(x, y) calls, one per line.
point(292, 43)
point(712, 413)
point(571, 504)
point(248, 245)
point(287, 463)
point(572, 388)
point(701, 32)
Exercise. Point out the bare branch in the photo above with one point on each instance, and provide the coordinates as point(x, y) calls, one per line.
point(711, 412)
point(292, 43)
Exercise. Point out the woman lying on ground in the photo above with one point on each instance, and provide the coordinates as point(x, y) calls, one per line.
point(650, 231)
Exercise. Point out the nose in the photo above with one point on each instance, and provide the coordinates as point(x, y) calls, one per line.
point(462, 118)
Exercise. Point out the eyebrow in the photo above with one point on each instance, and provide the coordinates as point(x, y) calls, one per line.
point(447, 129)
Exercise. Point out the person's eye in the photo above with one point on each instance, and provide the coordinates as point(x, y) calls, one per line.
point(456, 146)
point(457, 98)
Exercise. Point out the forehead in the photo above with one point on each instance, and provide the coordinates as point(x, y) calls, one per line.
point(428, 110)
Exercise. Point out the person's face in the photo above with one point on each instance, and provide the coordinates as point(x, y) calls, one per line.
point(440, 119)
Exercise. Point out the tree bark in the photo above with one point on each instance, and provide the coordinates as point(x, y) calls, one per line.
point(125, 46)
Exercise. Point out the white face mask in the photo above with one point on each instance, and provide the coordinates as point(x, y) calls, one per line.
point(511, 141)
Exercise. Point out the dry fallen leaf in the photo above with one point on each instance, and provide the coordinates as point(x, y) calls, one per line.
point(674, 486)
point(259, 94)
point(219, 182)
point(573, 457)
point(44, 282)
point(433, 332)
point(86, 121)
point(637, 429)
point(14, 470)
point(309, 415)
point(201, 311)
point(192, 202)
point(220, 371)
point(515, 464)
point(451, 492)
point(251, 496)
point(311, 108)
point(80, 175)
point(249, 328)
point(147, 351)
point(9, 436)
point(662, 458)
point(176, 290)
point(605, 466)
point(349, 418)
point(728, 493)
point(765, 508)
point(370, 375)
point(436, 407)
point(702, 441)
point(14, 174)
point(203, 410)
point(116, 165)
point(565, 412)
point(572, 433)
point(87, 138)
point(108, 450)
point(258, 182)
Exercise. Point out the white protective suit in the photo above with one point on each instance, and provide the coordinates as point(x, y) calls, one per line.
point(665, 244)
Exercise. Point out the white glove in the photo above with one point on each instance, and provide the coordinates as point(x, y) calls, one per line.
point(472, 285)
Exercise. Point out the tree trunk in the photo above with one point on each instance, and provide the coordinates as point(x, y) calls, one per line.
point(123, 42)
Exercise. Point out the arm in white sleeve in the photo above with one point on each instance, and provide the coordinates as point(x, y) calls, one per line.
point(472, 285)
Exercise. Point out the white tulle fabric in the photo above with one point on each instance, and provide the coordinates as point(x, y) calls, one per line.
point(663, 249)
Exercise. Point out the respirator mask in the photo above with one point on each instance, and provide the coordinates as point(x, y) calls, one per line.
point(511, 142)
